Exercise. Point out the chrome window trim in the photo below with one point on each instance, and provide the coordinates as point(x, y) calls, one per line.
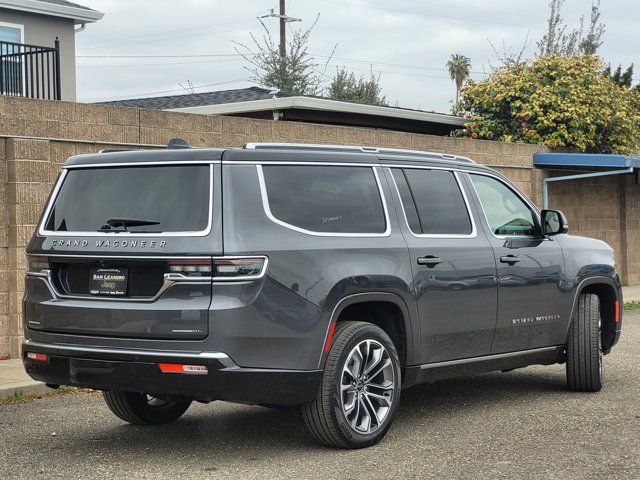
point(124, 257)
point(139, 164)
point(474, 232)
point(522, 197)
point(203, 233)
point(269, 214)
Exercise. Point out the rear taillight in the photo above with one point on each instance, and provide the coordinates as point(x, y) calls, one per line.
point(239, 268)
point(196, 267)
point(220, 268)
point(37, 264)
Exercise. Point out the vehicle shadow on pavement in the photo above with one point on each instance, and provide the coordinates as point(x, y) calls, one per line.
point(492, 389)
point(219, 430)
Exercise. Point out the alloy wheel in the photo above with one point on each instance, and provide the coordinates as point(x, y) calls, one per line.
point(367, 386)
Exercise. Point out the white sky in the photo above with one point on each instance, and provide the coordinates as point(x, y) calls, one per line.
point(407, 41)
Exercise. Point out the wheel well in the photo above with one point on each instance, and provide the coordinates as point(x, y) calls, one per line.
point(385, 315)
point(607, 296)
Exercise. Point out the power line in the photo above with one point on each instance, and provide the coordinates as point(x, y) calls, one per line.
point(472, 9)
point(160, 40)
point(162, 56)
point(418, 67)
point(422, 14)
point(235, 55)
point(164, 32)
point(158, 64)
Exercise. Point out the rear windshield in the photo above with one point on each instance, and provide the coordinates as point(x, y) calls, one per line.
point(169, 198)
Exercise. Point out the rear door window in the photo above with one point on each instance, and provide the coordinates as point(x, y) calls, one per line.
point(325, 199)
point(432, 202)
point(171, 198)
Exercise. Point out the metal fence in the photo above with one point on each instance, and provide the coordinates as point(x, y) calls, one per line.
point(30, 71)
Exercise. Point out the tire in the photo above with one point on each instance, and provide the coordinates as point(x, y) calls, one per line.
point(584, 346)
point(338, 416)
point(142, 409)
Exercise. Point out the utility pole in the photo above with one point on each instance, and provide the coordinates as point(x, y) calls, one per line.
point(284, 19)
point(283, 30)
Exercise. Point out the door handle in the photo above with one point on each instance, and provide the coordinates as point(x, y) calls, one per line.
point(429, 260)
point(510, 259)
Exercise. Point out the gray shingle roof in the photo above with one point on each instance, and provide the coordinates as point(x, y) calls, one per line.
point(64, 3)
point(200, 99)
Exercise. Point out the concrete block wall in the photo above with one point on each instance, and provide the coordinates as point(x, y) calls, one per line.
point(37, 136)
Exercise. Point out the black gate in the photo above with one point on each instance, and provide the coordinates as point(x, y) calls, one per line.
point(30, 71)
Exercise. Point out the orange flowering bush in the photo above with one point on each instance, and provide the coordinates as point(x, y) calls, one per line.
point(555, 101)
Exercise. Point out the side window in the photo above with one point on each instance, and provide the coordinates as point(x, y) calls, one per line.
point(432, 201)
point(506, 212)
point(325, 199)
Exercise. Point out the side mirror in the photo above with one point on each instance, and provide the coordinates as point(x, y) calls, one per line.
point(553, 223)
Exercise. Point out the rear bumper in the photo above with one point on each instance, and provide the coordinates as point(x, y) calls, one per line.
point(138, 371)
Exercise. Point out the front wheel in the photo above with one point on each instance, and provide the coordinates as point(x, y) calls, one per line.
point(360, 389)
point(584, 346)
point(143, 409)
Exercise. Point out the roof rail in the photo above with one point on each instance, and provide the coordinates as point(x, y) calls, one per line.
point(111, 150)
point(347, 148)
point(174, 143)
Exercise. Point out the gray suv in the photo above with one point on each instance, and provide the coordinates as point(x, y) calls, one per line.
point(327, 278)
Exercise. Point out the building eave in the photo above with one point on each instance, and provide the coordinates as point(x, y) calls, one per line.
point(323, 104)
point(78, 15)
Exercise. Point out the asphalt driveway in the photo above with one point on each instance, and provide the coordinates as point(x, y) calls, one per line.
point(521, 424)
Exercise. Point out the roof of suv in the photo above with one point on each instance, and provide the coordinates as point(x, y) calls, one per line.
point(178, 152)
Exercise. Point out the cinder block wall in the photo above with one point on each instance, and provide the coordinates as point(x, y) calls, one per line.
point(37, 136)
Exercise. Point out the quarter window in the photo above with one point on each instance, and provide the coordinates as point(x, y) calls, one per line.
point(325, 199)
point(506, 212)
point(433, 202)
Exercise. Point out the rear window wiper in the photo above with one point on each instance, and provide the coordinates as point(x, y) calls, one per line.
point(122, 224)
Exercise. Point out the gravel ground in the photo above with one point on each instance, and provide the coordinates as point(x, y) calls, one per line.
point(521, 424)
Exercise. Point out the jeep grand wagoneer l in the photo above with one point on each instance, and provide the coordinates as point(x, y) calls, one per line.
point(326, 278)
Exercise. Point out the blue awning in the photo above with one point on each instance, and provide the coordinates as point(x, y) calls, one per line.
point(584, 161)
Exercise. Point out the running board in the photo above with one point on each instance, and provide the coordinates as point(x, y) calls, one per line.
point(431, 372)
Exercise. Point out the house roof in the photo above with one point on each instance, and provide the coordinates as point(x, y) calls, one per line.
point(64, 3)
point(256, 101)
point(54, 8)
point(201, 99)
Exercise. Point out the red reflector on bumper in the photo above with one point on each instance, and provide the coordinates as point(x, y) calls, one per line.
point(616, 317)
point(184, 369)
point(38, 357)
point(327, 343)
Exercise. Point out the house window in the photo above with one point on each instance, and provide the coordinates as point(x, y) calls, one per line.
point(10, 66)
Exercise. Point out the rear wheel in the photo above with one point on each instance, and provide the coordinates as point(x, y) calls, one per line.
point(584, 346)
point(360, 389)
point(143, 409)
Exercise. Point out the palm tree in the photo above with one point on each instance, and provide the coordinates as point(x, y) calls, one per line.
point(459, 68)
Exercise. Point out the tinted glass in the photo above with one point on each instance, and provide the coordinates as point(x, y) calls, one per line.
point(175, 196)
point(506, 212)
point(439, 204)
point(325, 199)
point(408, 203)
